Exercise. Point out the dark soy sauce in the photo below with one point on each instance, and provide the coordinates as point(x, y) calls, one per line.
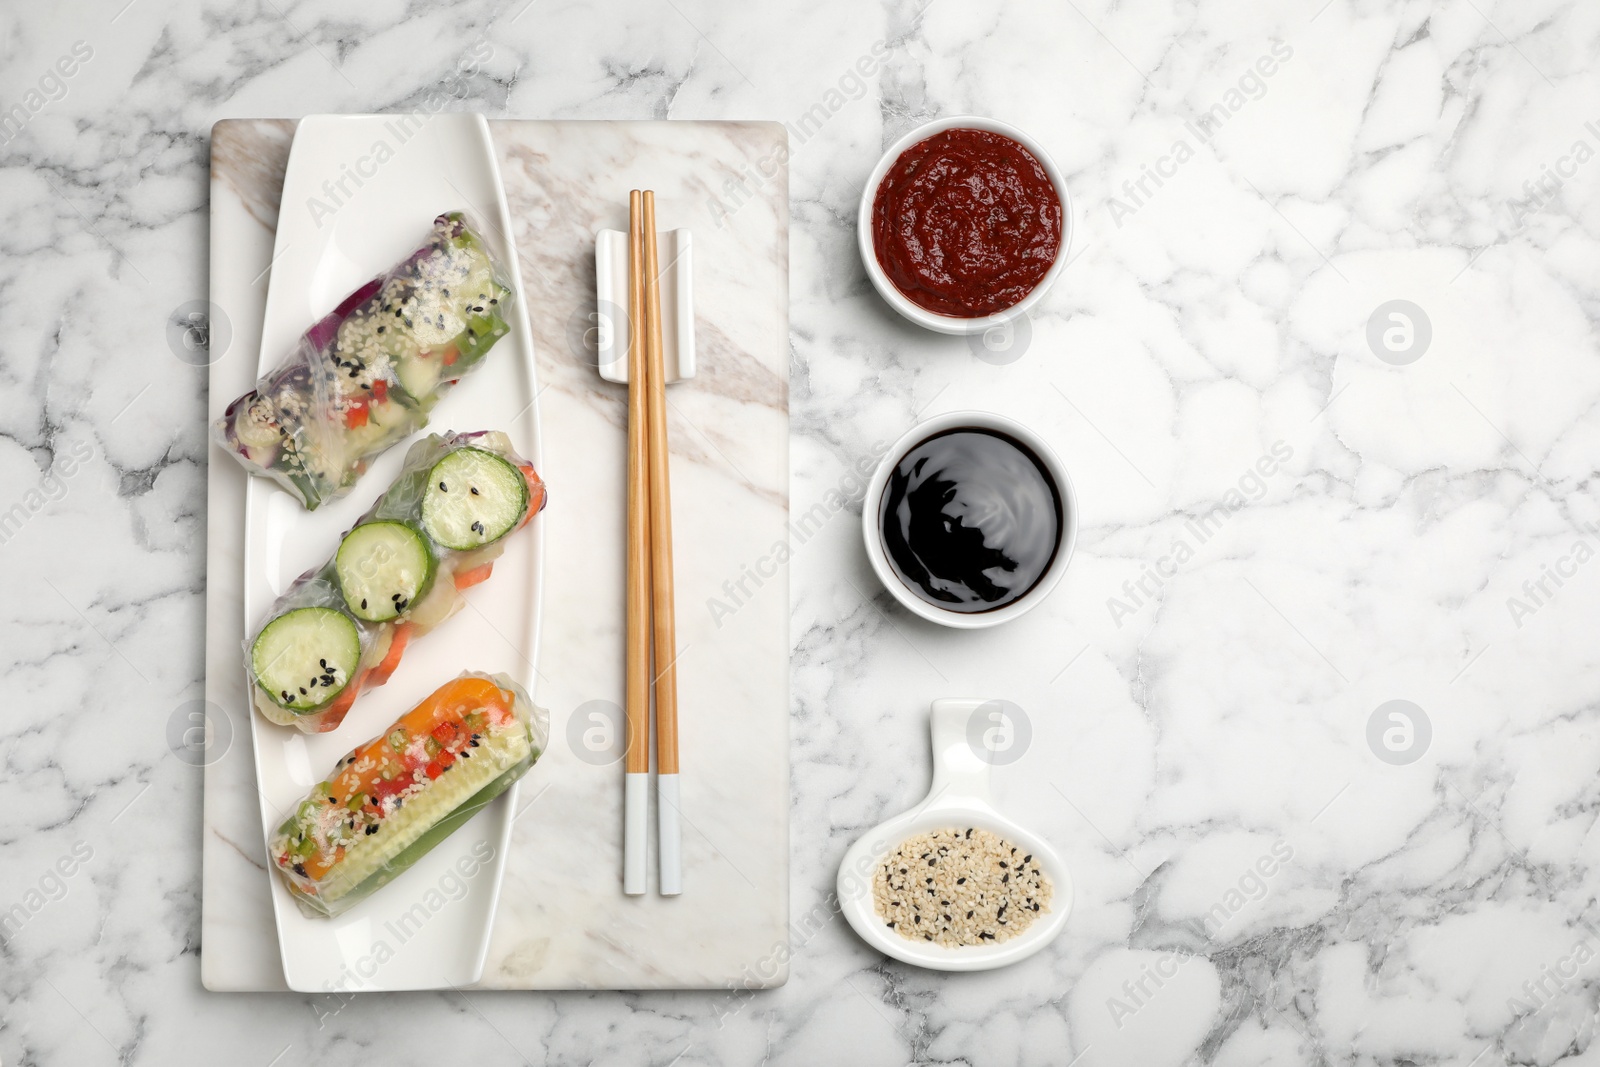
point(971, 520)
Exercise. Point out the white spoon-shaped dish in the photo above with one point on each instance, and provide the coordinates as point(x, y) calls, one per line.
point(960, 797)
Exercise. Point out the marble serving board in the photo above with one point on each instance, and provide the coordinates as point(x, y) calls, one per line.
point(563, 921)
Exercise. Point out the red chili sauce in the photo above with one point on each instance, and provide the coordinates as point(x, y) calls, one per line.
point(966, 223)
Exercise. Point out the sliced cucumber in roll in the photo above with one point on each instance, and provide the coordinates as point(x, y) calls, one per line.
point(473, 498)
point(384, 567)
point(304, 658)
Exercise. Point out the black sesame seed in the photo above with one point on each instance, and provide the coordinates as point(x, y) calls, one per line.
point(443, 488)
point(302, 690)
point(475, 491)
point(363, 602)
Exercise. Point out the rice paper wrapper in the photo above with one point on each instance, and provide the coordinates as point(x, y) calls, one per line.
point(382, 643)
point(366, 376)
point(388, 802)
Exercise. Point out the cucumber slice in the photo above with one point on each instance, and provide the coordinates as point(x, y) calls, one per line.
point(473, 498)
point(384, 567)
point(256, 425)
point(304, 658)
point(429, 817)
point(451, 287)
point(419, 374)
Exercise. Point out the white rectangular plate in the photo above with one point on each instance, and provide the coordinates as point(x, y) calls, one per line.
point(360, 193)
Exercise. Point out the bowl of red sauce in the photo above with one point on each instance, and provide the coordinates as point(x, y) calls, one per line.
point(964, 224)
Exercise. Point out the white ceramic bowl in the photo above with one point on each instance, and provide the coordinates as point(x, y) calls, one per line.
point(959, 797)
point(932, 320)
point(872, 503)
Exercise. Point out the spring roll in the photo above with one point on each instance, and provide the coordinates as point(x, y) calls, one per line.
point(365, 377)
point(398, 573)
point(392, 799)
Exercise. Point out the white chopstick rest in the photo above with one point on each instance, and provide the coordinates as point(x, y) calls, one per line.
point(635, 830)
point(677, 304)
point(667, 800)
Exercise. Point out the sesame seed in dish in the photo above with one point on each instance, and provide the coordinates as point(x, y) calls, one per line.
point(959, 887)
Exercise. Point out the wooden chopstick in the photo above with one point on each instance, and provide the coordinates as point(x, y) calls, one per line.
point(661, 583)
point(636, 762)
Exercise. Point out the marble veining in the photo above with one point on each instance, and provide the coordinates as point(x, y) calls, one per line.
point(1260, 878)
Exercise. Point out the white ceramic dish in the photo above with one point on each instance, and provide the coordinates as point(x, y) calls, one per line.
point(932, 320)
point(676, 252)
point(959, 797)
point(329, 241)
point(873, 535)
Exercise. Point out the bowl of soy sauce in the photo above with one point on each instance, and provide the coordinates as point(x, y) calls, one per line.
point(970, 520)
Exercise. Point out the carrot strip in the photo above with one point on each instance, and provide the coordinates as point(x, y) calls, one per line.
point(468, 579)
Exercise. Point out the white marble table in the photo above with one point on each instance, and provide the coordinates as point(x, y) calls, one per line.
point(1257, 881)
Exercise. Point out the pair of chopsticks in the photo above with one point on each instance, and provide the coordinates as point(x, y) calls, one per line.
point(650, 597)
